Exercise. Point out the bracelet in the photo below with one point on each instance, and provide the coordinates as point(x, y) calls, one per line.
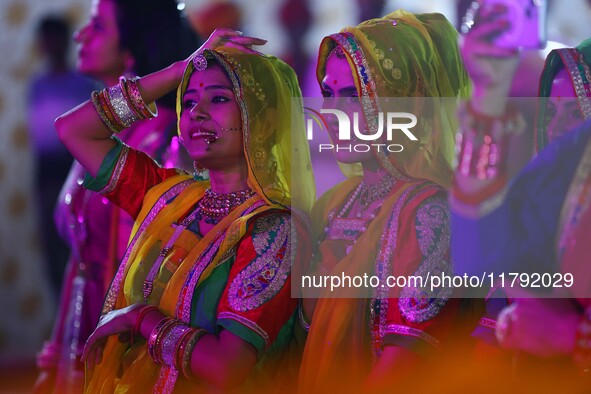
point(156, 337)
point(95, 98)
point(170, 342)
point(120, 106)
point(135, 98)
point(188, 351)
point(582, 352)
point(104, 101)
point(140, 317)
point(181, 347)
point(479, 151)
point(123, 84)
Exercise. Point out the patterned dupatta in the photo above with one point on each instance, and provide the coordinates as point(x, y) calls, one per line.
point(576, 61)
point(152, 227)
point(574, 230)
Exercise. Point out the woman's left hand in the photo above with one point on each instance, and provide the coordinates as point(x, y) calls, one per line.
point(544, 327)
point(113, 323)
point(232, 38)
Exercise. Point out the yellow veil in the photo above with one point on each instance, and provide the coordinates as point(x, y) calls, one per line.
point(278, 159)
point(407, 55)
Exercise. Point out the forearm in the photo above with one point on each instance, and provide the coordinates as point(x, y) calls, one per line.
point(88, 138)
point(490, 147)
point(155, 85)
point(223, 360)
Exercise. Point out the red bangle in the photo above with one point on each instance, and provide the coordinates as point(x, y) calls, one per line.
point(482, 143)
point(140, 317)
point(156, 335)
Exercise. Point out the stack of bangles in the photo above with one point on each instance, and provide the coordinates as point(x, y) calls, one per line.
point(121, 105)
point(171, 342)
point(481, 146)
point(582, 353)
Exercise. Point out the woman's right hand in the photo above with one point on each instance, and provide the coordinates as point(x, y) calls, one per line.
point(119, 321)
point(224, 37)
point(490, 67)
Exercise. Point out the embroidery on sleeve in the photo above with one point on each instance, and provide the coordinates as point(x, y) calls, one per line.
point(266, 275)
point(117, 171)
point(419, 304)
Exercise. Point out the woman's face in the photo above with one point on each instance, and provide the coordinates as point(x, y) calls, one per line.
point(99, 54)
point(209, 112)
point(338, 87)
point(563, 112)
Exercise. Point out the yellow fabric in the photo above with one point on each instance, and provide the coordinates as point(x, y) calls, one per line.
point(264, 87)
point(277, 152)
point(140, 371)
point(339, 329)
point(408, 55)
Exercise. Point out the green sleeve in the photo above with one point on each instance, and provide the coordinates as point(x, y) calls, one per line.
point(106, 170)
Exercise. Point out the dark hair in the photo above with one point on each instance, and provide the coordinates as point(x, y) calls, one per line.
point(156, 34)
point(55, 26)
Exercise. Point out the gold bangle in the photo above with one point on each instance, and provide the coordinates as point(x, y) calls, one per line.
point(148, 110)
point(180, 348)
point(186, 358)
point(124, 83)
point(104, 100)
point(94, 97)
point(156, 336)
point(121, 108)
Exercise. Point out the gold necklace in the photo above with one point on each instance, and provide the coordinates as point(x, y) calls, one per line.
point(213, 207)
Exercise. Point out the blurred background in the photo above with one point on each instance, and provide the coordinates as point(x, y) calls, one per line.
point(38, 82)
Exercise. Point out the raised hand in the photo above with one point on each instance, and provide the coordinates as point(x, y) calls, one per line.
point(490, 67)
point(226, 38)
